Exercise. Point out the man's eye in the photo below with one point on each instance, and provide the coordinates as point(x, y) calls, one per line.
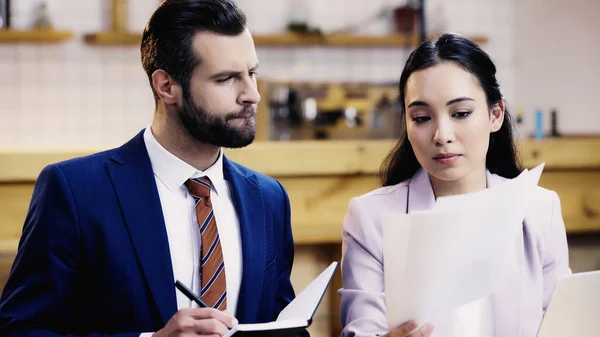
point(223, 80)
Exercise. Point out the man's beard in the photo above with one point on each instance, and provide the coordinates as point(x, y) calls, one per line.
point(214, 129)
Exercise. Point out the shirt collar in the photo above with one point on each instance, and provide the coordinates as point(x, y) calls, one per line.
point(174, 172)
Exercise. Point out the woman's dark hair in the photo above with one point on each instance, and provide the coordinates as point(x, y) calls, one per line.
point(167, 39)
point(502, 157)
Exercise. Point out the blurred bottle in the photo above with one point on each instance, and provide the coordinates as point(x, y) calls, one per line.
point(554, 124)
point(539, 125)
point(382, 119)
point(4, 14)
point(299, 12)
point(519, 127)
point(42, 17)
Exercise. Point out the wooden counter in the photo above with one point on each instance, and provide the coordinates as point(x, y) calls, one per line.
point(320, 178)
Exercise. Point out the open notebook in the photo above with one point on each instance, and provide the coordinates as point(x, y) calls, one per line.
point(296, 316)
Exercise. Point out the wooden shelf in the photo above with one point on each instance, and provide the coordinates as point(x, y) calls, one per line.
point(113, 38)
point(343, 40)
point(287, 40)
point(34, 36)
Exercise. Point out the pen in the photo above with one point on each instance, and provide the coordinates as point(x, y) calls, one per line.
point(189, 294)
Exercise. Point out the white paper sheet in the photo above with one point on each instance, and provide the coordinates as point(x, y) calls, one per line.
point(297, 314)
point(305, 304)
point(442, 265)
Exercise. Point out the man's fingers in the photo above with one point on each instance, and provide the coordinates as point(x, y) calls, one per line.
point(209, 313)
point(210, 326)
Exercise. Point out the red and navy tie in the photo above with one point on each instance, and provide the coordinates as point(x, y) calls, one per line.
point(213, 284)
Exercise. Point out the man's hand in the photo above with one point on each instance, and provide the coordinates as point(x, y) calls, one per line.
point(197, 322)
point(405, 329)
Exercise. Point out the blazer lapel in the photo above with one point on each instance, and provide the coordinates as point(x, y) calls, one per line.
point(420, 193)
point(133, 179)
point(250, 210)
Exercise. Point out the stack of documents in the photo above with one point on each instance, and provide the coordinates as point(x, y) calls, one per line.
point(443, 264)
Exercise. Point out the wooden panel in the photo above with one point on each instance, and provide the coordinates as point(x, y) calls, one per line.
point(562, 153)
point(263, 118)
point(298, 158)
point(5, 264)
point(115, 38)
point(309, 262)
point(579, 193)
point(336, 300)
point(120, 15)
point(309, 158)
point(26, 165)
point(14, 201)
point(8, 249)
point(319, 204)
point(34, 36)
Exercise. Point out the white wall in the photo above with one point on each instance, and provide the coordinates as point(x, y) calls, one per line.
point(75, 95)
point(557, 51)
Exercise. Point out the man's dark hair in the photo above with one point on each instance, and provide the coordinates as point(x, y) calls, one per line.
point(168, 36)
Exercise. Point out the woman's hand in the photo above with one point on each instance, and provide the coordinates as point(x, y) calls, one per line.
point(404, 330)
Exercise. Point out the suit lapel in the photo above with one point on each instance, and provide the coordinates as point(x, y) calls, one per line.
point(250, 210)
point(133, 180)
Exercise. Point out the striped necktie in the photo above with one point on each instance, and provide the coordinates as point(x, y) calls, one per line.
point(213, 286)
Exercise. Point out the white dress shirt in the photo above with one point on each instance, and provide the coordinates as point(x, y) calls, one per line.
point(179, 212)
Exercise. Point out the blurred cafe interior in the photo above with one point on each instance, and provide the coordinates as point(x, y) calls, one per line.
point(71, 83)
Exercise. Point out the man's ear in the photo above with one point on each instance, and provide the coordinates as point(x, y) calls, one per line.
point(167, 89)
point(497, 116)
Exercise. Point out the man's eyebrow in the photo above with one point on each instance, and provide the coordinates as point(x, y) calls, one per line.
point(231, 73)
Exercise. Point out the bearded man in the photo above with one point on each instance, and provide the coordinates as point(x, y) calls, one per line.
point(107, 236)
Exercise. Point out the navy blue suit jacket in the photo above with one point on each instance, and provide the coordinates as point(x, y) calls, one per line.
point(94, 258)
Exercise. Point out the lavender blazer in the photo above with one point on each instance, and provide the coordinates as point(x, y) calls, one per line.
point(522, 297)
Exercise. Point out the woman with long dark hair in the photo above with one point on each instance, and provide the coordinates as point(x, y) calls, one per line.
point(457, 138)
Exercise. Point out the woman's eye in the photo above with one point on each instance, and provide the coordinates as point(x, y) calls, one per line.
point(461, 114)
point(421, 119)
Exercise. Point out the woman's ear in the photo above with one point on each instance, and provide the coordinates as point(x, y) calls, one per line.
point(496, 116)
point(168, 90)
